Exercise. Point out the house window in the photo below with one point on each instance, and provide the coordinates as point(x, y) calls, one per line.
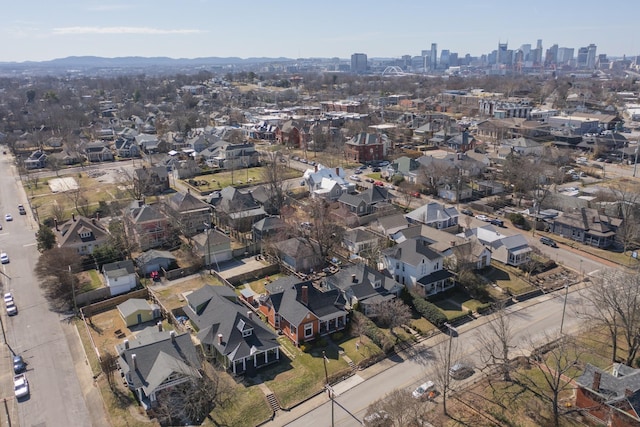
point(376, 284)
point(247, 332)
point(308, 330)
point(293, 330)
point(276, 320)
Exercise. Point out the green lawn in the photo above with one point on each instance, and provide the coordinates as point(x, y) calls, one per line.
point(505, 278)
point(366, 348)
point(295, 380)
point(247, 407)
point(258, 285)
point(217, 181)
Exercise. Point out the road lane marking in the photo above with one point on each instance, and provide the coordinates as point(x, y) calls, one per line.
point(29, 244)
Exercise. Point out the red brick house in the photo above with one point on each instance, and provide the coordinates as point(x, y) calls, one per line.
point(293, 133)
point(614, 398)
point(366, 147)
point(301, 311)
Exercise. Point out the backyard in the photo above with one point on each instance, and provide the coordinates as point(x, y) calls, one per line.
point(217, 181)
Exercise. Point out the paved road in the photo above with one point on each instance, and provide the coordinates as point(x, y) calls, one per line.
point(36, 332)
point(412, 369)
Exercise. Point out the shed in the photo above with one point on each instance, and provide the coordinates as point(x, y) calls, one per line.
point(135, 311)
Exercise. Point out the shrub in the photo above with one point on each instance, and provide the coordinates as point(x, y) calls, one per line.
point(428, 310)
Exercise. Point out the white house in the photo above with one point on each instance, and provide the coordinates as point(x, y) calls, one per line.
point(120, 277)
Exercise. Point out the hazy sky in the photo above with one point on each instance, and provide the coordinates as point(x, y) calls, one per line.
point(45, 29)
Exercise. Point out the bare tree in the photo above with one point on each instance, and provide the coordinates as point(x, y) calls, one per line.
point(495, 343)
point(55, 269)
point(613, 300)
point(392, 313)
point(445, 355)
point(399, 409)
point(79, 199)
point(109, 365)
point(628, 199)
point(325, 230)
point(556, 364)
point(273, 175)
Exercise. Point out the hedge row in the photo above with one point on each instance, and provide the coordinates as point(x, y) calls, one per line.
point(428, 310)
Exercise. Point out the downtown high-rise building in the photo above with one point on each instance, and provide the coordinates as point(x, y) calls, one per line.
point(433, 55)
point(359, 63)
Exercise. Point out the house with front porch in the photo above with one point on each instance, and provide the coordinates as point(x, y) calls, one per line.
point(157, 360)
point(301, 311)
point(189, 214)
point(81, 234)
point(511, 250)
point(229, 332)
point(415, 264)
point(435, 215)
point(367, 202)
point(146, 225)
point(587, 226)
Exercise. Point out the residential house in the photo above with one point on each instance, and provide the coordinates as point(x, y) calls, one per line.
point(455, 192)
point(236, 209)
point(234, 156)
point(268, 227)
point(97, 151)
point(229, 333)
point(146, 225)
point(299, 254)
point(364, 286)
point(613, 398)
point(155, 361)
point(135, 311)
point(415, 264)
point(360, 240)
point(327, 183)
point(404, 166)
point(510, 250)
point(148, 143)
point(184, 168)
point(120, 276)
point(188, 214)
point(389, 225)
point(81, 234)
point(435, 215)
point(367, 147)
point(151, 180)
point(126, 148)
point(301, 311)
point(523, 146)
point(587, 226)
point(263, 195)
point(36, 160)
point(367, 202)
point(212, 246)
point(293, 133)
point(155, 260)
point(461, 142)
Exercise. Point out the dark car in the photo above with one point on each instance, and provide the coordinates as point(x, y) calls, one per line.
point(375, 169)
point(22, 210)
point(497, 222)
point(467, 212)
point(18, 364)
point(549, 242)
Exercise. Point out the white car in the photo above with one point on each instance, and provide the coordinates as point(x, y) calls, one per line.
point(8, 217)
point(21, 385)
point(4, 258)
point(8, 297)
point(423, 390)
point(354, 178)
point(12, 310)
point(483, 218)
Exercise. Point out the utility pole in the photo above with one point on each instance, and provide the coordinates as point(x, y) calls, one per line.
point(564, 306)
point(327, 386)
point(73, 291)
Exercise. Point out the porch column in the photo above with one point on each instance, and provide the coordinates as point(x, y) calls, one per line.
point(233, 365)
point(266, 357)
point(255, 360)
point(244, 364)
point(277, 353)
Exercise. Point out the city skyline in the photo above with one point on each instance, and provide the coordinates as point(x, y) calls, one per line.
point(39, 30)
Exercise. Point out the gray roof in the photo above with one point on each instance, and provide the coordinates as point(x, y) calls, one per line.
point(392, 222)
point(613, 387)
point(119, 268)
point(218, 314)
point(146, 213)
point(133, 305)
point(153, 254)
point(269, 223)
point(184, 202)
point(363, 284)
point(286, 296)
point(432, 212)
point(412, 251)
point(359, 234)
point(158, 355)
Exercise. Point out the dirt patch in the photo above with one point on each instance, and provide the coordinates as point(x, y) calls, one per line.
point(60, 185)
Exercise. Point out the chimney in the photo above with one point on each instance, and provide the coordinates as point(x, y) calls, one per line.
point(628, 392)
point(337, 171)
point(97, 216)
point(73, 217)
point(250, 314)
point(126, 344)
point(453, 243)
point(353, 279)
point(596, 381)
point(159, 326)
point(172, 334)
point(315, 168)
point(133, 362)
point(93, 221)
point(219, 339)
point(305, 295)
point(55, 222)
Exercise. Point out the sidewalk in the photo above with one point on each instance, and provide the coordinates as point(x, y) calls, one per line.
point(284, 417)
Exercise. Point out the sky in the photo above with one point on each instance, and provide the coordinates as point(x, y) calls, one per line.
point(37, 30)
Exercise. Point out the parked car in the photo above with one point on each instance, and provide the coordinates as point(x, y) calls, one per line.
point(549, 242)
point(354, 178)
point(483, 218)
point(415, 194)
point(467, 212)
point(460, 371)
point(379, 184)
point(376, 169)
point(8, 217)
point(21, 386)
point(8, 297)
point(18, 364)
point(4, 258)
point(497, 222)
point(370, 180)
point(383, 164)
point(357, 171)
point(21, 210)
point(423, 390)
point(12, 310)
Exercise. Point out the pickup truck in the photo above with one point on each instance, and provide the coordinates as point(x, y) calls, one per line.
point(20, 385)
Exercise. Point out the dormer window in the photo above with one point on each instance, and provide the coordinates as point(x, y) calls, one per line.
point(376, 284)
point(85, 234)
point(244, 328)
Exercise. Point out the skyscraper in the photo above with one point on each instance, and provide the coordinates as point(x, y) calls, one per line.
point(444, 58)
point(434, 55)
point(538, 58)
point(358, 63)
point(591, 56)
point(501, 54)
